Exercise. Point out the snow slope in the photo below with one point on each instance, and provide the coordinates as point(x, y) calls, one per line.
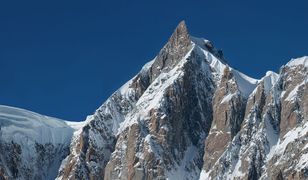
point(24, 126)
point(32, 145)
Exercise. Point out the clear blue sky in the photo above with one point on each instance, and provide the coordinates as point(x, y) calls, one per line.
point(64, 58)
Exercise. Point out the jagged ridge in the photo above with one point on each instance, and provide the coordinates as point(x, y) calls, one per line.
point(187, 86)
point(188, 115)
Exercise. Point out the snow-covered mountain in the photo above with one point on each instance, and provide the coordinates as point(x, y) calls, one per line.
point(32, 146)
point(186, 115)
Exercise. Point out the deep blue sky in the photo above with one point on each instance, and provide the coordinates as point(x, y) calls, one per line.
point(64, 58)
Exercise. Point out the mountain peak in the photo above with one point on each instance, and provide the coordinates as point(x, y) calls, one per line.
point(181, 27)
point(180, 35)
point(176, 48)
point(186, 111)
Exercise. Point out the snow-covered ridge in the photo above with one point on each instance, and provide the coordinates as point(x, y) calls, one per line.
point(298, 61)
point(24, 127)
point(246, 84)
point(199, 41)
point(214, 62)
point(76, 125)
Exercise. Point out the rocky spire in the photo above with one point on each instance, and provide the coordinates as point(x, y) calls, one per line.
point(180, 37)
point(176, 48)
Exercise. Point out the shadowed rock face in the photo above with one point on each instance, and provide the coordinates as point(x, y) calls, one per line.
point(42, 163)
point(186, 105)
point(187, 113)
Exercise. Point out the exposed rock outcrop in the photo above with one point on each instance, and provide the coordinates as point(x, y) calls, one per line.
point(186, 115)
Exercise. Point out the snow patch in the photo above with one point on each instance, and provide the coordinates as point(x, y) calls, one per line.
point(199, 41)
point(204, 175)
point(153, 96)
point(185, 170)
point(245, 83)
point(217, 65)
point(269, 80)
point(288, 138)
point(227, 98)
point(303, 161)
point(292, 95)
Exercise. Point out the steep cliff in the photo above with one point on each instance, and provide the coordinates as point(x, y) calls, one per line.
point(186, 115)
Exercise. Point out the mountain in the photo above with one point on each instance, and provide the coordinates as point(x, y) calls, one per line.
point(32, 146)
point(186, 115)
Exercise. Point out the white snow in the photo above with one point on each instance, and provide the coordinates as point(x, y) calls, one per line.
point(215, 63)
point(184, 170)
point(227, 98)
point(298, 61)
point(271, 135)
point(76, 125)
point(199, 41)
point(303, 161)
point(245, 83)
point(153, 95)
point(204, 175)
point(165, 127)
point(148, 140)
point(269, 80)
point(148, 65)
point(282, 94)
point(292, 95)
point(153, 147)
point(125, 90)
point(289, 137)
point(25, 127)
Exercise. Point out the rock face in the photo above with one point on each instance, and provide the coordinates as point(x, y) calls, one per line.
point(229, 108)
point(147, 123)
point(186, 115)
point(272, 141)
